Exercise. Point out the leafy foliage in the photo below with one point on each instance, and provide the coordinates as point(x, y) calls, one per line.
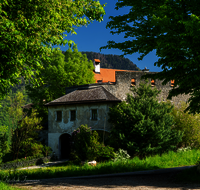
point(4, 145)
point(172, 29)
point(29, 29)
point(121, 155)
point(8, 101)
point(25, 135)
point(142, 125)
point(67, 70)
point(189, 124)
point(87, 147)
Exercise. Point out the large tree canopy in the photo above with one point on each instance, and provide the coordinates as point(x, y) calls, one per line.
point(65, 70)
point(28, 29)
point(171, 27)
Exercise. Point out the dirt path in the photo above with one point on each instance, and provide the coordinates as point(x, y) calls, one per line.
point(144, 182)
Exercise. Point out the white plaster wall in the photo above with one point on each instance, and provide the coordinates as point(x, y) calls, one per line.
point(83, 116)
point(53, 142)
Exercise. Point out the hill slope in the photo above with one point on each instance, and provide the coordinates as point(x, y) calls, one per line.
point(111, 61)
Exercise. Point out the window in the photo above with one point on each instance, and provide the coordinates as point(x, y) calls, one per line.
point(59, 115)
point(172, 82)
point(152, 82)
point(73, 115)
point(94, 114)
point(133, 82)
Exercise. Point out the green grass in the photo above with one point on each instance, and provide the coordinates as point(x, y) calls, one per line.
point(4, 186)
point(68, 169)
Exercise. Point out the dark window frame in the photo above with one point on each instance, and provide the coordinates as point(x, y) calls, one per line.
point(94, 114)
point(72, 115)
point(58, 116)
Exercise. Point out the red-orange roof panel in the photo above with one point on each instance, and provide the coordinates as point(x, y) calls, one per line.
point(107, 75)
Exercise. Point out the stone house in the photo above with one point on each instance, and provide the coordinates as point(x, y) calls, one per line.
point(89, 104)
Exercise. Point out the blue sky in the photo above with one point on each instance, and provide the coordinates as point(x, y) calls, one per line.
point(95, 35)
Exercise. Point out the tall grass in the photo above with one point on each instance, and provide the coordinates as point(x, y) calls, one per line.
point(169, 160)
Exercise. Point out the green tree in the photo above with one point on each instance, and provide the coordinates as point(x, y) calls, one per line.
point(15, 111)
point(4, 144)
point(172, 29)
point(25, 135)
point(142, 125)
point(189, 124)
point(29, 29)
point(67, 70)
point(7, 104)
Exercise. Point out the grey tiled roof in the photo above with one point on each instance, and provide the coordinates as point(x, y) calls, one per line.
point(79, 96)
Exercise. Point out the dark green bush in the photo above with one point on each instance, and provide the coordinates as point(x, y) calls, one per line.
point(142, 125)
point(86, 146)
point(189, 124)
point(24, 162)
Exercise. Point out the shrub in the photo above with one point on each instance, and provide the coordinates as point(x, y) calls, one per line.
point(85, 146)
point(142, 125)
point(46, 150)
point(81, 139)
point(189, 124)
point(184, 149)
point(121, 155)
point(99, 152)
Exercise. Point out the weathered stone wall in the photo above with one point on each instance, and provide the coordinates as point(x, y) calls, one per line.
point(83, 116)
point(123, 84)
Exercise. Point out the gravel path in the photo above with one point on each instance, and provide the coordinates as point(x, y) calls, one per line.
point(141, 182)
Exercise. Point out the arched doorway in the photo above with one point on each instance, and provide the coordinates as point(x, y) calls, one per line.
point(65, 146)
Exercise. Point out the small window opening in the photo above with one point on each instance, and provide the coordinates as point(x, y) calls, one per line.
point(172, 82)
point(59, 115)
point(99, 81)
point(73, 115)
point(152, 82)
point(94, 114)
point(133, 82)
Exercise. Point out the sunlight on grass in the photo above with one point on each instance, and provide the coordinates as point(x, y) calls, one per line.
point(68, 169)
point(4, 186)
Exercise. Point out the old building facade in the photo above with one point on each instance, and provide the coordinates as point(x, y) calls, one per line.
point(89, 104)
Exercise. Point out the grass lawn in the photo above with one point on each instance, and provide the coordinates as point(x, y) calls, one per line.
point(4, 186)
point(69, 169)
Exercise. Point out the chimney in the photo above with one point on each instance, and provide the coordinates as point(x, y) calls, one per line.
point(97, 66)
point(145, 70)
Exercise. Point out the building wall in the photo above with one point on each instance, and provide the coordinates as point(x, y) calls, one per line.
point(123, 84)
point(83, 116)
point(119, 89)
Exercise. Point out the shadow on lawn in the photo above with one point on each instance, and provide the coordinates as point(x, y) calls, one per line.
point(152, 181)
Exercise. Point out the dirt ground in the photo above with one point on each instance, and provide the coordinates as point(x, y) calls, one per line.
point(142, 182)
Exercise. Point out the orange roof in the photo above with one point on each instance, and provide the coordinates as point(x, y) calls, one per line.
point(97, 60)
point(107, 75)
